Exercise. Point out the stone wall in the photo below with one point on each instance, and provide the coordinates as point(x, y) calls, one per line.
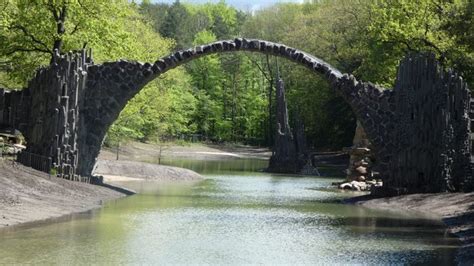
point(419, 131)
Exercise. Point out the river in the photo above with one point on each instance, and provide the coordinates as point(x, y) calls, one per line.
point(235, 216)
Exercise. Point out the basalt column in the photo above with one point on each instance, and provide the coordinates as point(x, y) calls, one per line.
point(286, 157)
point(432, 152)
point(56, 98)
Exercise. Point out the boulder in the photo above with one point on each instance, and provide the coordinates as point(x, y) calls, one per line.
point(345, 186)
point(362, 162)
point(359, 186)
point(360, 151)
point(371, 182)
point(355, 185)
point(361, 170)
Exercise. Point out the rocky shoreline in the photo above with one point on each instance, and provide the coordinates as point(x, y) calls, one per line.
point(28, 196)
point(456, 210)
point(358, 185)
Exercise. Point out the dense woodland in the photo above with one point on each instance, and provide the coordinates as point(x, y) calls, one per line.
point(231, 97)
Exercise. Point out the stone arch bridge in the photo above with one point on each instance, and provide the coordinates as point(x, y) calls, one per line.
point(420, 129)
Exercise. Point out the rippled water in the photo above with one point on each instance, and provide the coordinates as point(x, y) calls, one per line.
point(232, 218)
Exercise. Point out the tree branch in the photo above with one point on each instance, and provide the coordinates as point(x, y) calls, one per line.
point(430, 44)
point(269, 68)
point(4, 7)
point(29, 35)
point(53, 10)
point(27, 50)
point(259, 68)
point(76, 28)
point(5, 65)
point(91, 12)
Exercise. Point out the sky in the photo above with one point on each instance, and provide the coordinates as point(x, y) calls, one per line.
point(245, 5)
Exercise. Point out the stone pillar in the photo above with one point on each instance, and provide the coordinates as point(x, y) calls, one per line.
point(361, 157)
point(284, 157)
point(289, 154)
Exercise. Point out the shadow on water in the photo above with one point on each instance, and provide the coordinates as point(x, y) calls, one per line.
point(45, 222)
point(242, 166)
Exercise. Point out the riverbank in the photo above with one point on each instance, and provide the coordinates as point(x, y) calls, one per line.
point(27, 195)
point(145, 152)
point(456, 210)
point(119, 170)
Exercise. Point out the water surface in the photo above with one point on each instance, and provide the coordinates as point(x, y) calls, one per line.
point(232, 217)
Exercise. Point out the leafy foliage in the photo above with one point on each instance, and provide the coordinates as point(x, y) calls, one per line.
point(31, 30)
point(398, 27)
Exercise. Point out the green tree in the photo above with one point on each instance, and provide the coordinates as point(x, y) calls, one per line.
point(30, 31)
point(206, 76)
point(172, 26)
point(439, 27)
point(319, 30)
point(154, 13)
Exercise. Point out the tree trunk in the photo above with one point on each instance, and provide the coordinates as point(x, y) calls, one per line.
point(117, 151)
point(60, 17)
point(159, 155)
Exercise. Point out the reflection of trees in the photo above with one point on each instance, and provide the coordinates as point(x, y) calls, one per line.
point(233, 166)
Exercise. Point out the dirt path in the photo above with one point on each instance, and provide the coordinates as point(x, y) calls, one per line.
point(28, 195)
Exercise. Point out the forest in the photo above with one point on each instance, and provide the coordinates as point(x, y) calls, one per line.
point(231, 97)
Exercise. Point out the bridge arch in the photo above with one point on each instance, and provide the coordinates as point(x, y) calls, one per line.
point(112, 84)
point(420, 130)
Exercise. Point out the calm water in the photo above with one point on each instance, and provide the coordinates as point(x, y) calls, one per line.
point(232, 217)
